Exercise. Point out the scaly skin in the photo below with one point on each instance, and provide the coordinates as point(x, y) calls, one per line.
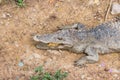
point(105, 38)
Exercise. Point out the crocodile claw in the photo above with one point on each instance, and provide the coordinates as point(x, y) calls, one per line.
point(83, 61)
point(80, 63)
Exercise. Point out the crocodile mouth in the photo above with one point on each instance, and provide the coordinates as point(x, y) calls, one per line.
point(42, 45)
point(45, 43)
point(50, 38)
point(52, 45)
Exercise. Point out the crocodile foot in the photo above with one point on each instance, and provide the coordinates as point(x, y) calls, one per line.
point(83, 61)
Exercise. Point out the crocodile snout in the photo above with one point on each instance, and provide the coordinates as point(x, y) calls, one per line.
point(36, 38)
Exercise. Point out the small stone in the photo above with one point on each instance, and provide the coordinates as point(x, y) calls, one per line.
point(6, 15)
point(34, 56)
point(16, 44)
point(97, 2)
point(115, 75)
point(20, 64)
point(115, 8)
point(83, 76)
point(89, 78)
point(17, 78)
point(92, 2)
point(3, 16)
point(54, 52)
point(115, 71)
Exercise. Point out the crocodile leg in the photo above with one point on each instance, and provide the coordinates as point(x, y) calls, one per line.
point(74, 26)
point(92, 56)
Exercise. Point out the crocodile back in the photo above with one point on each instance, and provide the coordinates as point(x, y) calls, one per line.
point(109, 30)
point(107, 34)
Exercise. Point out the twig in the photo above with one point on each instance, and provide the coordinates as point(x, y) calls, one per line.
point(108, 9)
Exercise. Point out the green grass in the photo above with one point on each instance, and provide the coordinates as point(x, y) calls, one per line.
point(43, 75)
point(20, 3)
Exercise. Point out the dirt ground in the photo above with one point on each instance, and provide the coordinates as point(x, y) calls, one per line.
point(18, 25)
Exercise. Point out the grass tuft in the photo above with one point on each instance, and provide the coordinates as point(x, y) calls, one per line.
point(42, 75)
point(20, 3)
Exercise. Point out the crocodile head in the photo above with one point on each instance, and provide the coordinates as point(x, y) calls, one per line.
point(58, 40)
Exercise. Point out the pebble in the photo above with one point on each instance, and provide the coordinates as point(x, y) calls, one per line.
point(115, 75)
point(6, 15)
point(115, 70)
point(92, 2)
point(20, 64)
point(34, 56)
point(16, 44)
point(83, 76)
point(115, 8)
point(54, 52)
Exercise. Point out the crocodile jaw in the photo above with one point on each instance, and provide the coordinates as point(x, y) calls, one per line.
point(47, 41)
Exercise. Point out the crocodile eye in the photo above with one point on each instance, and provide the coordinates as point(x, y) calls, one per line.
point(59, 38)
point(37, 36)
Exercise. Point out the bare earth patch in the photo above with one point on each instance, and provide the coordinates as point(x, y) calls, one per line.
point(18, 25)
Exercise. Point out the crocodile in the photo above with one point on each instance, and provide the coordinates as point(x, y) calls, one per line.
point(102, 39)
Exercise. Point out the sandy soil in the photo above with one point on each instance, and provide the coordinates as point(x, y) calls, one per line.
point(18, 25)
